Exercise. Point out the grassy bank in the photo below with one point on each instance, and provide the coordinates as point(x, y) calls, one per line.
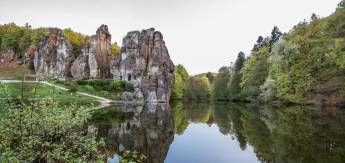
point(110, 89)
point(42, 91)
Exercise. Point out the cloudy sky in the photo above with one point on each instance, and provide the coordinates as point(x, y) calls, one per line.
point(203, 35)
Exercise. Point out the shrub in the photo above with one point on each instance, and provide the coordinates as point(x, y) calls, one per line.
point(72, 85)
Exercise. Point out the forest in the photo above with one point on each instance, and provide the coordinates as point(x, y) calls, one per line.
point(303, 66)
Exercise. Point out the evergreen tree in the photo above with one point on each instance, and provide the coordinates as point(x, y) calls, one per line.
point(314, 17)
point(258, 44)
point(275, 35)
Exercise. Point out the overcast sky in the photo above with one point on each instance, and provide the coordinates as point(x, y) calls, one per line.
point(203, 35)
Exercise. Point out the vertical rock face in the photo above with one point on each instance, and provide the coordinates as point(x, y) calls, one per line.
point(80, 67)
point(145, 62)
point(30, 54)
point(54, 55)
point(100, 51)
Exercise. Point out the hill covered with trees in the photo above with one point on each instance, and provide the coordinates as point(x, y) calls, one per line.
point(305, 65)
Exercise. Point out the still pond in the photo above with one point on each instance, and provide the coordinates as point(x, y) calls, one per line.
point(223, 133)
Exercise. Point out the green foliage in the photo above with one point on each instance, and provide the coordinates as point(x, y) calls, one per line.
point(181, 78)
point(178, 88)
point(220, 85)
point(198, 88)
point(115, 50)
point(268, 90)
point(110, 89)
point(235, 80)
point(77, 40)
point(179, 69)
point(306, 64)
point(41, 130)
point(38, 90)
point(20, 38)
point(72, 85)
point(108, 85)
point(309, 61)
point(132, 157)
point(254, 73)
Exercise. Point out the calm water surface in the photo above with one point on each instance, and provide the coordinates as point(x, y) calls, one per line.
point(223, 133)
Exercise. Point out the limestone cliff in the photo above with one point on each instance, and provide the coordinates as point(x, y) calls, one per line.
point(80, 68)
point(54, 55)
point(145, 62)
point(100, 51)
point(7, 55)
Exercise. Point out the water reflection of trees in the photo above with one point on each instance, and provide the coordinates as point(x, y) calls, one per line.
point(293, 134)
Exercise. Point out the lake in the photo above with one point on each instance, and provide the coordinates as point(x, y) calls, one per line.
point(223, 133)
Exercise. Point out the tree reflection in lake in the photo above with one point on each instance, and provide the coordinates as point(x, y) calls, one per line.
point(290, 134)
point(259, 133)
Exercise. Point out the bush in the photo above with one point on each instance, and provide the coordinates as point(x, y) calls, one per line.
point(72, 85)
point(107, 85)
point(43, 131)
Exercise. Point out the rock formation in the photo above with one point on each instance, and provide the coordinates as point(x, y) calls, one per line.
point(8, 55)
point(80, 67)
point(145, 62)
point(100, 51)
point(30, 54)
point(54, 55)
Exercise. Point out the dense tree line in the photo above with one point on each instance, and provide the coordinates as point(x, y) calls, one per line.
point(305, 65)
point(19, 38)
point(187, 87)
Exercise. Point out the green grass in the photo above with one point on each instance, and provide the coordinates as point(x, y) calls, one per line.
point(41, 91)
point(110, 89)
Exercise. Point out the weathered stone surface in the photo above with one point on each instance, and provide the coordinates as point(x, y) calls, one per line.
point(100, 52)
point(54, 55)
point(8, 55)
point(145, 62)
point(80, 67)
point(30, 54)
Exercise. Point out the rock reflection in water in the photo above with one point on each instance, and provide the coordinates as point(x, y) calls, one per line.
point(150, 131)
point(224, 132)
